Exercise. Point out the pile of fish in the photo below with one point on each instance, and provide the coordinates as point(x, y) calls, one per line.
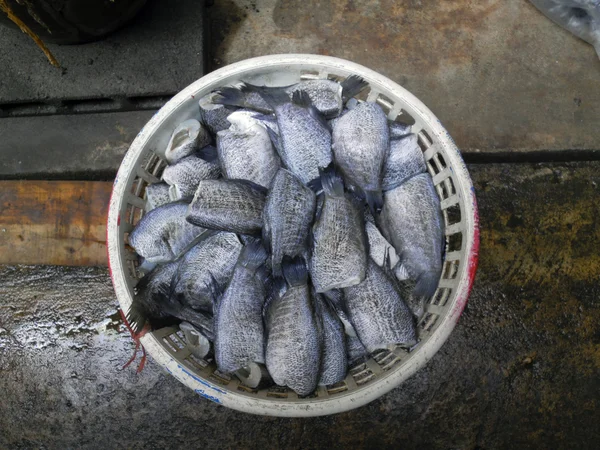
point(306, 239)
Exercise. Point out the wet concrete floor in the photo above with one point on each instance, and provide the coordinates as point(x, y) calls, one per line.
point(521, 369)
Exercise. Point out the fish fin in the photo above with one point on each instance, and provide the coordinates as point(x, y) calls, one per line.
point(252, 185)
point(263, 117)
point(215, 290)
point(253, 255)
point(318, 210)
point(230, 96)
point(209, 153)
point(276, 288)
point(375, 201)
point(294, 270)
point(315, 185)
point(274, 96)
point(351, 86)
point(401, 272)
point(275, 139)
point(332, 182)
point(136, 316)
point(266, 236)
point(427, 284)
point(302, 99)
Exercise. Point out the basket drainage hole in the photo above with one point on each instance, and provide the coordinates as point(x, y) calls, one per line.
point(406, 118)
point(454, 242)
point(454, 215)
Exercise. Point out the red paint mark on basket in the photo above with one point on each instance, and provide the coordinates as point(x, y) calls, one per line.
point(472, 264)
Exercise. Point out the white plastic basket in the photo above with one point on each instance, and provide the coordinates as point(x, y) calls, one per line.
point(144, 162)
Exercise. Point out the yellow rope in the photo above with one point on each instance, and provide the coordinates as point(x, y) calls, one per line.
point(25, 29)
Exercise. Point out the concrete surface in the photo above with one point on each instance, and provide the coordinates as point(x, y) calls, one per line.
point(160, 52)
point(86, 146)
point(521, 370)
point(507, 83)
point(498, 74)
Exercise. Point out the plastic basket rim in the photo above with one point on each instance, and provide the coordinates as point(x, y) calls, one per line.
point(314, 406)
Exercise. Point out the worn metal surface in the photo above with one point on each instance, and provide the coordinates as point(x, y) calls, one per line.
point(521, 370)
point(499, 75)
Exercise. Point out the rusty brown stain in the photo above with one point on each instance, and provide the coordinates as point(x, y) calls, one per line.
point(428, 37)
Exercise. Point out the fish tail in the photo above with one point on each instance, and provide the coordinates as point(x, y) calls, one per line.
point(294, 270)
point(315, 185)
point(209, 153)
point(351, 86)
point(331, 182)
point(253, 255)
point(231, 96)
point(427, 283)
point(275, 139)
point(374, 200)
point(136, 316)
point(273, 96)
point(302, 99)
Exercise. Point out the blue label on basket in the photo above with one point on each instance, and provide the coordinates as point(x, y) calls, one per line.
point(205, 395)
point(201, 381)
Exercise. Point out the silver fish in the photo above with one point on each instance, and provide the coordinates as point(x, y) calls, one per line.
point(398, 130)
point(304, 139)
point(334, 362)
point(228, 205)
point(412, 221)
point(163, 234)
point(239, 325)
point(212, 115)
point(405, 160)
point(245, 150)
point(378, 313)
point(293, 344)
point(580, 17)
point(211, 260)
point(157, 194)
point(328, 96)
point(339, 253)
point(197, 343)
point(360, 144)
point(157, 301)
point(183, 176)
point(288, 216)
point(187, 137)
point(243, 96)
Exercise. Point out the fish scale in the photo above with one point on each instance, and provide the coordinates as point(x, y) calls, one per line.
point(239, 325)
point(380, 316)
point(334, 362)
point(288, 216)
point(163, 234)
point(245, 150)
point(339, 253)
point(293, 353)
point(411, 219)
point(360, 145)
point(184, 176)
point(211, 261)
point(228, 205)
